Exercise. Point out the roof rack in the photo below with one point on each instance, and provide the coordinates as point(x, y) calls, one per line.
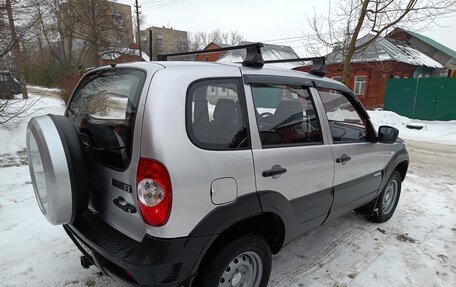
point(254, 58)
point(318, 64)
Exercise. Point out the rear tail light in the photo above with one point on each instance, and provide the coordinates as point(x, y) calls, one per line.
point(154, 192)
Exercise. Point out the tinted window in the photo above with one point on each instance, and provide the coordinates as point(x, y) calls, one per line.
point(285, 116)
point(103, 109)
point(215, 115)
point(344, 121)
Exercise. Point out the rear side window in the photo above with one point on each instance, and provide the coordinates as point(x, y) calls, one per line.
point(103, 109)
point(216, 115)
point(344, 121)
point(285, 116)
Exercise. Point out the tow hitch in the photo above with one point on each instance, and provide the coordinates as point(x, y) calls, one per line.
point(85, 262)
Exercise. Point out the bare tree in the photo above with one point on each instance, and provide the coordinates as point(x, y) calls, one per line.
point(11, 110)
point(15, 36)
point(199, 40)
point(215, 36)
point(94, 25)
point(235, 38)
point(342, 27)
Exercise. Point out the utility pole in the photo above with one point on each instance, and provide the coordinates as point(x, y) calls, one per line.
point(16, 50)
point(150, 44)
point(138, 28)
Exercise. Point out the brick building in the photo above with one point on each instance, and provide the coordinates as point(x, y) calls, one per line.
point(212, 57)
point(164, 41)
point(121, 17)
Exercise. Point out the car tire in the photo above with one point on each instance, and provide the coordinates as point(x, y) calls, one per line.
point(245, 261)
point(388, 199)
point(57, 168)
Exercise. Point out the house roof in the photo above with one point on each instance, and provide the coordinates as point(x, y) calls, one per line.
point(269, 52)
point(221, 45)
point(382, 49)
point(433, 43)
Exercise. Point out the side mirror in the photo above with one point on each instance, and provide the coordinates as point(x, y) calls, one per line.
point(387, 134)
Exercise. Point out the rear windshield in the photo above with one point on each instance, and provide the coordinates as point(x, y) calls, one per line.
point(103, 109)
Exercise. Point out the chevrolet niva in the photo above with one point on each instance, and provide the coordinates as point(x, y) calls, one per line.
point(194, 173)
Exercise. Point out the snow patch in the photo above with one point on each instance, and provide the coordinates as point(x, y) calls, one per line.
point(443, 132)
point(12, 135)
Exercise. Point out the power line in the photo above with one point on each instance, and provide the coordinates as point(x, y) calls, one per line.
point(164, 4)
point(154, 3)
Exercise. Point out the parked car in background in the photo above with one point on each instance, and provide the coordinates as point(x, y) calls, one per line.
point(9, 85)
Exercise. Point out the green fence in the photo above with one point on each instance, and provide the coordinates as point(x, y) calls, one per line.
point(425, 98)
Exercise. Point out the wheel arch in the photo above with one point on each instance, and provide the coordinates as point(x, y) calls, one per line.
point(268, 225)
point(245, 216)
point(402, 168)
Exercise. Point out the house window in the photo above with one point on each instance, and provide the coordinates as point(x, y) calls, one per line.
point(360, 85)
point(206, 58)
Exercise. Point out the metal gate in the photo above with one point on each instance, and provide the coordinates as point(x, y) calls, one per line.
point(424, 98)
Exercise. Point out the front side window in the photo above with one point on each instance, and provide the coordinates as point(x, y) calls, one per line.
point(344, 121)
point(285, 115)
point(103, 110)
point(215, 115)
point(360, 85)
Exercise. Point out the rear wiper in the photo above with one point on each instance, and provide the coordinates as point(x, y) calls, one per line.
point(86, 143)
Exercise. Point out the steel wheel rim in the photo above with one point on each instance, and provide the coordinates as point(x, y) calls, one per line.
point(389, 198)
point(245, 270)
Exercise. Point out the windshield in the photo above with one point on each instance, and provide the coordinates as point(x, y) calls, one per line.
point(103, 110)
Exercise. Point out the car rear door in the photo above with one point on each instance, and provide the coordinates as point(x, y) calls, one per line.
point(294, 166)
point(358, 160)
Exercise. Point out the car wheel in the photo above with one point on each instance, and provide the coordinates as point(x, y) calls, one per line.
point(388, 199)
point(245, 261)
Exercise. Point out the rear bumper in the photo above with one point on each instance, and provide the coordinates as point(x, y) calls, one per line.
point(152, 262)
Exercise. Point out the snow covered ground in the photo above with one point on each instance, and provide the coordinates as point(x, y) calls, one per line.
point(417, 247)
point(433, 131)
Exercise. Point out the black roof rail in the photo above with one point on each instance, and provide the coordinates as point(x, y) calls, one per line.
point(318, 65)
point(253, 58)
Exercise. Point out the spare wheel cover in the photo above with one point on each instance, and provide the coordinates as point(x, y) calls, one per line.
point(56, 166)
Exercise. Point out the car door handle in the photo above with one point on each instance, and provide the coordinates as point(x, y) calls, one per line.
point(274, 171)
point(121, 203)
point(343, 159)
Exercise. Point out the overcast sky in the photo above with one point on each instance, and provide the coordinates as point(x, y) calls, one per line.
point(258, 20)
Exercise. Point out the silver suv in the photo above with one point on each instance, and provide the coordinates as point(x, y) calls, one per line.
point(193, 174)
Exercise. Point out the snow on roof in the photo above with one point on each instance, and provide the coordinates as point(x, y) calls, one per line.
point(450, 52)
point(269, 52)
point(382, 49)
point(116, 53)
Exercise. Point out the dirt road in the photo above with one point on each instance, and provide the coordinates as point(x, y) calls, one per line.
point(430, 159)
